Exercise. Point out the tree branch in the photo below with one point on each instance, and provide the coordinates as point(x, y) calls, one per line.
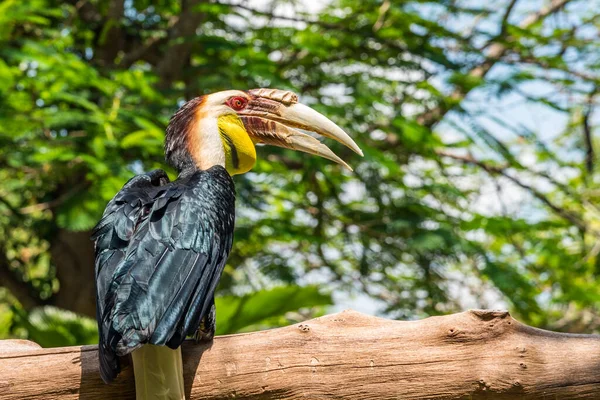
point(502, 170)
point(589, 146)
point(587, 133)
point(150, 45)
point(504, 24)
point(272, 15)
point(495, 53)
point(476, 354)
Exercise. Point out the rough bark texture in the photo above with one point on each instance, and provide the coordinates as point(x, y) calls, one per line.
point(471, 355)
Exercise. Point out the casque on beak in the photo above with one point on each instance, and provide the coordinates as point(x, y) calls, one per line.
point(272, 115)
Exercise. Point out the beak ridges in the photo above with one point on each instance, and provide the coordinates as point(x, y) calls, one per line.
point(282, 96)
point(273, 114)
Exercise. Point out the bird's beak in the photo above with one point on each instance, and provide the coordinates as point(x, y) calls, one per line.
point(272, 115)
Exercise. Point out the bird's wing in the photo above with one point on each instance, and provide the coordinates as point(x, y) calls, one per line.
point(162, 284)
point(113, 233)
point(111, 236)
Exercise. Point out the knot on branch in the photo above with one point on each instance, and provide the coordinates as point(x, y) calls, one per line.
point(476, 325)
point(487, 315)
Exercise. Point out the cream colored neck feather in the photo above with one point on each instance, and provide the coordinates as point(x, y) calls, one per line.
point(209, 150)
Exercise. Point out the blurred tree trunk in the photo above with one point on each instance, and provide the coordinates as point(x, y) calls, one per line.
point(111, 39)
point(171, 64)
point(73, 254)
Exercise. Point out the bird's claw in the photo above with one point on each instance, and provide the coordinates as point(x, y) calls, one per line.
point(206, 330)
point(204, 335)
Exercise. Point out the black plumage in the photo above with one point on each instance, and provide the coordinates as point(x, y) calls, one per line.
point(160, 250)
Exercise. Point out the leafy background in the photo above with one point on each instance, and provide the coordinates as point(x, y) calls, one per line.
point(479, 186)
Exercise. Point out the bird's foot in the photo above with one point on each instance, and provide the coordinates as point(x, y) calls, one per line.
point(204, 335)
point(206, 330)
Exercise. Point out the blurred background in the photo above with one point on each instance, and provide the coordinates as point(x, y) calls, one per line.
point(480, 185)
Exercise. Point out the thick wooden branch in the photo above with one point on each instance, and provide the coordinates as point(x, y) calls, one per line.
point(474, 355)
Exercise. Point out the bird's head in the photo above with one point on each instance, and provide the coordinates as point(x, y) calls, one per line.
point(222, 129)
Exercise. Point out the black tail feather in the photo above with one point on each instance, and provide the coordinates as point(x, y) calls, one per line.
point(110, 366)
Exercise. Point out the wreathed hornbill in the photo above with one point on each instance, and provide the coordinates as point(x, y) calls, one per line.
point(161, 246)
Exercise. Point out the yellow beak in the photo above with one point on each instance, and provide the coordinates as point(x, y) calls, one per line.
point(272, 115)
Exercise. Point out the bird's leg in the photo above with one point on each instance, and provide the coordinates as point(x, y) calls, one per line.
point(206, 330)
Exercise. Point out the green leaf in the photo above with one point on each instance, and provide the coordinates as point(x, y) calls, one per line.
point(80, 212)
point(6, 319)
point(143, 139)
point(52, 327)
point(235, 313)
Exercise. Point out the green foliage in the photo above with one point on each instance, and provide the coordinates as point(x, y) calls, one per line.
point(48, 326)
point(475, 189)
point(52, 327)
point(265, 308)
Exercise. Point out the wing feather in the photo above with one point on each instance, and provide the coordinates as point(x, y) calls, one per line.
point(160, 251)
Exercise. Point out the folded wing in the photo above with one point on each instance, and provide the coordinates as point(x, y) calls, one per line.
point(160, 251)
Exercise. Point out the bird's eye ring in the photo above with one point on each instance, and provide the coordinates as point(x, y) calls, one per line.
point(237, 103)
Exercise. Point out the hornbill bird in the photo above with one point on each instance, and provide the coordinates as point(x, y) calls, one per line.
point(161, 246)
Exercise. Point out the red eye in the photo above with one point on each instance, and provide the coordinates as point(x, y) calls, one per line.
point(237, 103)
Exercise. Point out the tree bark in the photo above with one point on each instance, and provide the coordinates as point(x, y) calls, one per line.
point(472, 355)
point(73, 253)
